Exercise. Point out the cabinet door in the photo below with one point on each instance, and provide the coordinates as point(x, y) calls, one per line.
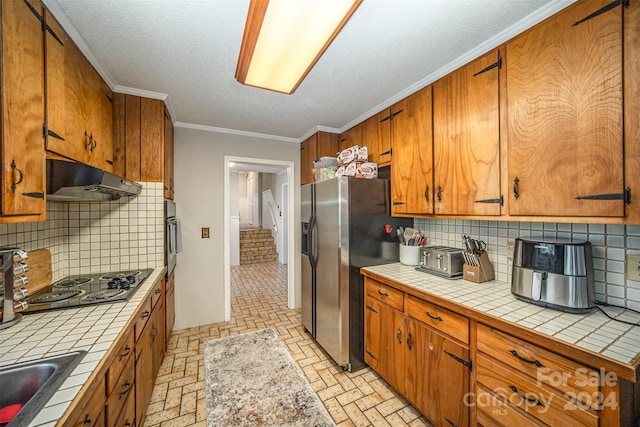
point(412, 162)
point(384, 342)
point(436, 382)
point(23, 157)
point(375, 135)
point(170, 310)
point(327, 144)
point(353, 136)
point(144, 374)
point(151, 141)
point(466, 139)
point(168, 156)
point(308, 154)
point(157, 337)
point(101, 123)
point(564, 92)
point(66, 103)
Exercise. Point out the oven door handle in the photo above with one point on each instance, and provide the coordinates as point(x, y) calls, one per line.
point(171, 235)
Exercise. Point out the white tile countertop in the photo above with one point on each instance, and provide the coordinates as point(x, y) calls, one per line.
point(91, 328)
point(592, 331)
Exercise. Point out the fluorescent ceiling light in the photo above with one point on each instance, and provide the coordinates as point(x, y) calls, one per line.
point(283, 39)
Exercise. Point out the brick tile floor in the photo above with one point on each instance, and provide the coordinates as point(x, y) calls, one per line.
point(258, 301)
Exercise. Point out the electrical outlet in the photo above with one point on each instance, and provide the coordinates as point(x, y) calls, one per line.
point(510, 249)
point(633, 267)
point(205, 232)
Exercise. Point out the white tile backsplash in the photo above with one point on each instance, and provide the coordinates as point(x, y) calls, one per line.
point(94, 237)
point(611, 243)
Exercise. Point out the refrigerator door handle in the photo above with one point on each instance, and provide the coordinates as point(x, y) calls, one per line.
point(312, 243)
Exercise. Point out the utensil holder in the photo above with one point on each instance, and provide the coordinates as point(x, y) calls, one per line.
point(409, 255)
point(480, 274)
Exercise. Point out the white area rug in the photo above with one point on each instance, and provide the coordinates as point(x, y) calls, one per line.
point(252, 380)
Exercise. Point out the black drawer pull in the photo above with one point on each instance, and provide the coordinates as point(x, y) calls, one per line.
point(534, 362)
point(399, 335)
point(86, 420)
point(410, 341)
point(145, 314)
point(127, 386)
point(384, 294)
point(127, 351)
point(527, 398)
point(438, 318)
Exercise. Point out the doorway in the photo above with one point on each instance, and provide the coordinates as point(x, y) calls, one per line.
point(269, 166)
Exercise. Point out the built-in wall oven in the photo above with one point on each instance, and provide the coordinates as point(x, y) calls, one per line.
point(172, 241)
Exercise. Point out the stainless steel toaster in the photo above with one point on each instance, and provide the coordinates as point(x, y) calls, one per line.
point(442, 261)
point(554, 273)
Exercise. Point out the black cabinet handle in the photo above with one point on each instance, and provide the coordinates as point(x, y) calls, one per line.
point(410, 341)
point(439, 193)
point(20, 175)
point(127, 351)
point(438, 318)
point(384, 294)
point(426, 194)
point(527, 398)
point(145, 314)
point(399, 335)
point(516, 186)
point(533, 362)
point(127, 386)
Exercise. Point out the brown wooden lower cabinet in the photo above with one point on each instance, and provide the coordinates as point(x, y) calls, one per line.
point(430, 369)
point(384, 342)
point(437, 380)
point(93, 411)
point(459, 368)
point(170, 308)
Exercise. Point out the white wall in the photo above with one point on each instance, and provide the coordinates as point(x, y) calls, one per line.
point(199, 195)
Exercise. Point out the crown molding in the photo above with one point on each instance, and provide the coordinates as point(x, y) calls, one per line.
point(214, 129)
point(495, 41)
point(149, 94)
point(317, 129)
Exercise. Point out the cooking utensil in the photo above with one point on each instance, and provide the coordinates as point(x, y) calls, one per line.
point(408, 234)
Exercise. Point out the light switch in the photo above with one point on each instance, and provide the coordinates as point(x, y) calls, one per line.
point(205, 232)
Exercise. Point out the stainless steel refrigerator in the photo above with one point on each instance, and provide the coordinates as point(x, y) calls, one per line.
point(343, 229)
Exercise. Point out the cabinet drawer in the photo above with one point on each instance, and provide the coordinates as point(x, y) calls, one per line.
point(386, 294)
point(124, 387)
point(439, 318)
point(493, 412)
point(571, 378)
point(536, 400)
point(143, 316)
point(156, 293)
point(117, 366)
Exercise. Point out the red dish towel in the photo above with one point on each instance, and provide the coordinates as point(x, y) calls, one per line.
point(8, 412)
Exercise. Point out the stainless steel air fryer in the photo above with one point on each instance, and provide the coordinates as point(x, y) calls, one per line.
point(554, 273)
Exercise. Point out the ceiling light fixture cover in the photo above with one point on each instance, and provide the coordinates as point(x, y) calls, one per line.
point(283, 39)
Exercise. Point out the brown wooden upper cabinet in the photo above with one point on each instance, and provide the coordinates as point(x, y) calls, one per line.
point(466, 139)
point(168, 156)
point(143, 140)
point(412, 161)
point(375, 134)
point(22, 95)
point(78, 103)
point(320, 144)
point(564, 97)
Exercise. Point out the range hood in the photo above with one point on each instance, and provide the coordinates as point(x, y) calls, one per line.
point(77, 182)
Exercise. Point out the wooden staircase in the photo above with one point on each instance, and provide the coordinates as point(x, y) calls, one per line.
point(257, 246)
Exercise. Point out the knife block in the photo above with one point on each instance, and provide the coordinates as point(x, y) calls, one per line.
point(480, 274)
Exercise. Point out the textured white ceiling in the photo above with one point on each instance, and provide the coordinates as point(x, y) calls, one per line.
point(188, 49)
